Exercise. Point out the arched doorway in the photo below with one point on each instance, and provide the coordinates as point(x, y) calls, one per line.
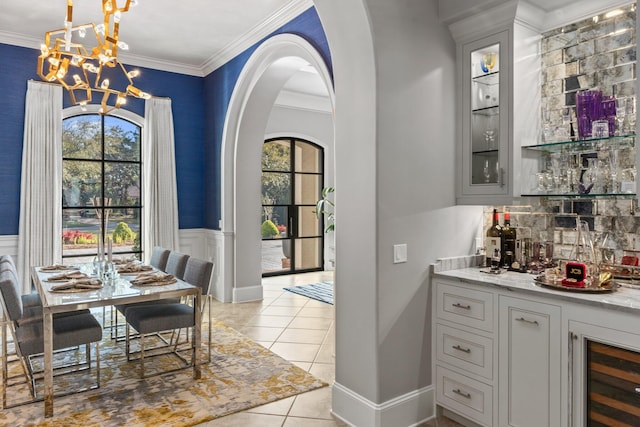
point(258, 86)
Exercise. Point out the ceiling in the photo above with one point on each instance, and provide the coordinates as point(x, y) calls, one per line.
point(192, 37)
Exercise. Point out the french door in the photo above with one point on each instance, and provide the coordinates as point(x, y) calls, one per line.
point(292, 180)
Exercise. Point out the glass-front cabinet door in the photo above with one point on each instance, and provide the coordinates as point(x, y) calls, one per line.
point(485, 119)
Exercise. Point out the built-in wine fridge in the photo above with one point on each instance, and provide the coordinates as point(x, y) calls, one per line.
point(613, 385)
point(605, 377)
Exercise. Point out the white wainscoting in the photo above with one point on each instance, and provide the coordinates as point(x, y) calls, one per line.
point(9, 246)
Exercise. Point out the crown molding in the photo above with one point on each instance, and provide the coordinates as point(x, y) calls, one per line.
point(233, 49)
point(19, 40)
point(257, 33)
point(160, 64)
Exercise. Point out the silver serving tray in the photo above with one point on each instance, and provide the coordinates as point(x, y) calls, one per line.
point(609, 286)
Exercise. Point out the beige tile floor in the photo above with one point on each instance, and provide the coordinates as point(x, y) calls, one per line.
point(300, 330)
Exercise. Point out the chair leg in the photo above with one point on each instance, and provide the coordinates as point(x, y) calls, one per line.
point(142, 355)
point(208, 301)
point(127, 343)
point(98, 363)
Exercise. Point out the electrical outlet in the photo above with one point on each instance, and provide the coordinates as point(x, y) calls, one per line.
point(399, 253)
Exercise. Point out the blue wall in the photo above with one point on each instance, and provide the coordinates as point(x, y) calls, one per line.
point(199, 109)
point(218, 89)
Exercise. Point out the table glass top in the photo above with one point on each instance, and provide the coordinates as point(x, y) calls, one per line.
point(117, 289)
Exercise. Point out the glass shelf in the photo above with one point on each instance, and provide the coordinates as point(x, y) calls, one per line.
point(489, 79)
point(493, 110)
point(579, 196)
point(486, 152)
point(584, 145)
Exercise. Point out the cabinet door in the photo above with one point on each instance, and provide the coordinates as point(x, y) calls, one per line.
point(485, 116)
point(529, 363)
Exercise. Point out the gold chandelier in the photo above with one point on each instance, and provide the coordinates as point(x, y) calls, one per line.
point(84, 70)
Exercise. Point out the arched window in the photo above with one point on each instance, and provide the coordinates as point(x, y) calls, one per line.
point(101, 186)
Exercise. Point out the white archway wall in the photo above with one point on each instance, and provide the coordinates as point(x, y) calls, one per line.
point(394, 70)
point(256, 90)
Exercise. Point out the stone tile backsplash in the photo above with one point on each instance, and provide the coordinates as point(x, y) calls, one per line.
point(588, 55)
point(594, 53)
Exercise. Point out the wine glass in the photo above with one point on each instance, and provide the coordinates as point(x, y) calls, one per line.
point(621, 113)
point(489, 137)
point(486, 172)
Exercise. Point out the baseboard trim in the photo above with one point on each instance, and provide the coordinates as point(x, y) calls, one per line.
point(247, 294)
point(409, 410)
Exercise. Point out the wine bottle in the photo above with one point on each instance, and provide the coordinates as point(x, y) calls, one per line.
point(508, 242)
point(493, 243)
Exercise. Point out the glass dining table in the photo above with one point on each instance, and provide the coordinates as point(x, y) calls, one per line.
point(116, 291)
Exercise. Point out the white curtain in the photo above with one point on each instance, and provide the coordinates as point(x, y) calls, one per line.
point(160, 194)
point(39, 240)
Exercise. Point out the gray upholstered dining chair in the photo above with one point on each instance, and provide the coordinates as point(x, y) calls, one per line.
point(159, 257)
point(148, 319)
point(162, 259)
point(176, 264)
point(28, 300)
point(69, 330)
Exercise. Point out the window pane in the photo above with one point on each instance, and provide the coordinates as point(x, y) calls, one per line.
point(308, 157)
point(276, 156)
point(79, 232)
point(123, 226)
point(122, 183)
point(81, 137)
point(308, 188)
point(276, 188)
point(81, 183)
point(121, 140)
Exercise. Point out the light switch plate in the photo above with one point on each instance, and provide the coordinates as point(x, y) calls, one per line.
point(399, 253)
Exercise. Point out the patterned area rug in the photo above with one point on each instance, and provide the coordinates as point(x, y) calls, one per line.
point(322, 291)
point(241, 375)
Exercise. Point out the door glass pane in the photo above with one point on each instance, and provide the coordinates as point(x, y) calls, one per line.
point(276, 188)
point(308, 157)
point(276, 256)
point(308, 188)
point(485, 115)
point(276, 156)
point(308, 222)
point(81, 183)
point(308, 253)
point(82, 137)
point(121, 140)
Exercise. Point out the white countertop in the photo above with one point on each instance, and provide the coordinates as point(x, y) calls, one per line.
point(625, 297)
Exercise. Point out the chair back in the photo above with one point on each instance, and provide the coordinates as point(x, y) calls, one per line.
point(198, 273)
point(8, 259)
point(176, 264)
point(159, 257)
point(10, 294)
